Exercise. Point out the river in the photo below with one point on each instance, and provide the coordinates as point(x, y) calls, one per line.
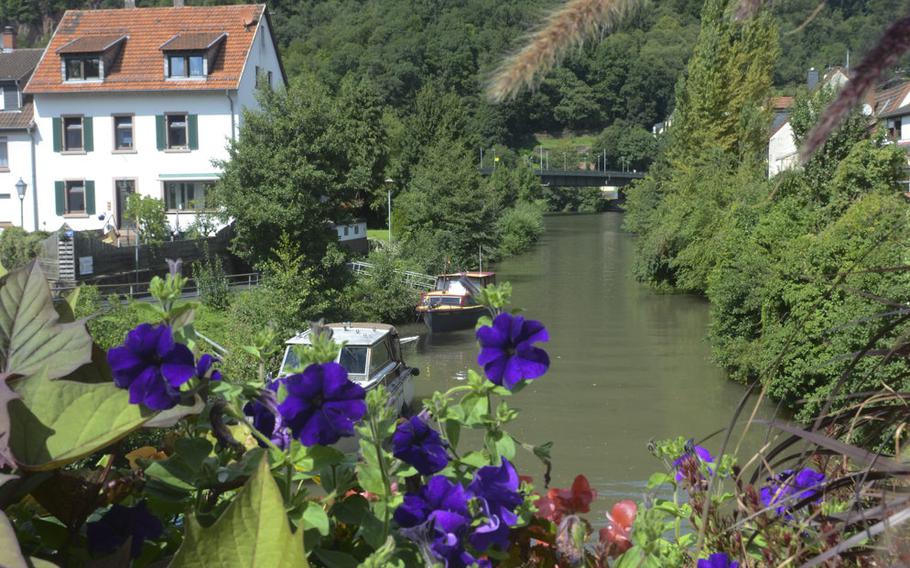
point(627, 365)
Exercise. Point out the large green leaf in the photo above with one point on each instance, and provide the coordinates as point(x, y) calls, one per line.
point(31, 337)
point(56, 422)
point(253, 531)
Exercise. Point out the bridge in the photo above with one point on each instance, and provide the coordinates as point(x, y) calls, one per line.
point(580, 178)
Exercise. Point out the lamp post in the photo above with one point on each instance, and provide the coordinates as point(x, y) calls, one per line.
point(388, 184)
point(20, 189)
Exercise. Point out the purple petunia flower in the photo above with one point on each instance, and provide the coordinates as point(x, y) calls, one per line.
point(264, 411)
point(322, 405)
point(437, 518)
point(496, 488)
point(204, 364)
point(507, 352)
point(699, 453)
point(120, 523)
point(786, 484)
point(718, 560)
point(152, 366)
point(419, 445)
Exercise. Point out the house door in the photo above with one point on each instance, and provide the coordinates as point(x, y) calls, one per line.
point(123, 187)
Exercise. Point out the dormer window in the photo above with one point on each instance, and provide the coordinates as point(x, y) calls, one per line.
point(81, 68)
point(191, 55)
point(186, 65)
point(86, 57)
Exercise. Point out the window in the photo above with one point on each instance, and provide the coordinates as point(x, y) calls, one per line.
point(4, 155)
point(83, 68)
point(123, 133)
point(379, 358)
point(72, 134)
point(176, 131)
point(263, 78)
point(186, 195)
point(75, 197)
point(185, 65)
point(353, 359)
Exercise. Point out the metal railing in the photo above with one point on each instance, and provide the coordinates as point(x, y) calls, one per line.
point(141, 289)
point(416, 280)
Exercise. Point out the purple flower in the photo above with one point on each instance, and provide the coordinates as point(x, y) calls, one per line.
point(496, 489)
point(264, 411)
point(785, 484)
point(204, 364)
point(507, 353)
point(152, 366)
point(718, 560)
point(699, 453)
point(120, 523)
point(437, 517)
point(439, 494)
point(322, 405)
point(419, 445)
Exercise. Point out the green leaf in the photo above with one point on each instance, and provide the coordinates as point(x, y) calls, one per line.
point(336, 559)
point(253, 531)
point(313, 458)
point(183, 469)
point(59, 421)
point(658, 479)
point(30, 336)
point(314, 517)
point(10, 556)
point(453, 432)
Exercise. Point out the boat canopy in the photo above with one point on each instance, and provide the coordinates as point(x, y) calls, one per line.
point(352, 333)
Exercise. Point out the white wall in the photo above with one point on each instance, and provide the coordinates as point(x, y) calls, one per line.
point(262, 53)
point(20, 165)
point(781, 150)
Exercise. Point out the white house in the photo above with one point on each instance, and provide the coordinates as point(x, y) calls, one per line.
point(782, 151)
point(143, 100)
point(16, 133)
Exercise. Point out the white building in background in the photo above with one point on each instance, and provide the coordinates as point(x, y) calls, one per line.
point(16, 132)
point(143, 100)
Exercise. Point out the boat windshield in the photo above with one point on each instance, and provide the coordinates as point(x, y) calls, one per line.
point(291, 362)
point(444, 300)
point(353, 359)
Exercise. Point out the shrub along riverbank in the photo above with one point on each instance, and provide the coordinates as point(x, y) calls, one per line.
point(801, 270)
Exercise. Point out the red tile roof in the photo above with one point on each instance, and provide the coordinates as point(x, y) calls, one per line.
point(91, 44)
point(139, 66)
point(183, 41)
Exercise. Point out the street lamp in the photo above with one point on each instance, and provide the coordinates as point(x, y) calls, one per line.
point(20, 189)
point(388, 184)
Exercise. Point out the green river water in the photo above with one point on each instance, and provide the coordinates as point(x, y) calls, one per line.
point(627, 364)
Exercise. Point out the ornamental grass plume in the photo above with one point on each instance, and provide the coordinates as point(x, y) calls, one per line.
point(565, 28)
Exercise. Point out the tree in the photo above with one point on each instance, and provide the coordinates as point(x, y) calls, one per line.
point(148, 213)
point(306, 158)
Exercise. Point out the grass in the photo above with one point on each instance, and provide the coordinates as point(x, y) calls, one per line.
point(378, 234)
point(562, 144)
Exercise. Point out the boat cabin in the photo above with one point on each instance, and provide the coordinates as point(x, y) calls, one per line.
point(369, 353)
point(454, 283)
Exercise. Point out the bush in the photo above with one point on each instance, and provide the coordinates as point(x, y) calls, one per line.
point(519, 228)
point(382, 295)
point(211, 281)
point(17, 247)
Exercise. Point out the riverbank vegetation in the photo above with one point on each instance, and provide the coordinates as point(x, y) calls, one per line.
point(798, 268)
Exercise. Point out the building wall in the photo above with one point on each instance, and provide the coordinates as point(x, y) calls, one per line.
point(781, 150)
point(263, 55)
point(20, 166)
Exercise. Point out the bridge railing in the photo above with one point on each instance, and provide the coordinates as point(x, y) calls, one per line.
point(416, 280)
point(141, 289)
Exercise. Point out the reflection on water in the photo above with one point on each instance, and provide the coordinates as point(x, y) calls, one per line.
point(628, 365)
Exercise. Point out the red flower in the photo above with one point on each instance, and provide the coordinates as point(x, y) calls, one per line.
point(558, 503)
point(615, 536)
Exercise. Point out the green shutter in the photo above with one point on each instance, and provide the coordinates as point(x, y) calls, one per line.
point(193, 125)
point(159, 131)
point(59, 191)
point(88, 134)
point(90, 197)
point(57, 127)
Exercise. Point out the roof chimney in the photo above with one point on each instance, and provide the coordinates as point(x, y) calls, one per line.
point(812, 79)
point(178, 3)
point(129, 3)
point(9, 38)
